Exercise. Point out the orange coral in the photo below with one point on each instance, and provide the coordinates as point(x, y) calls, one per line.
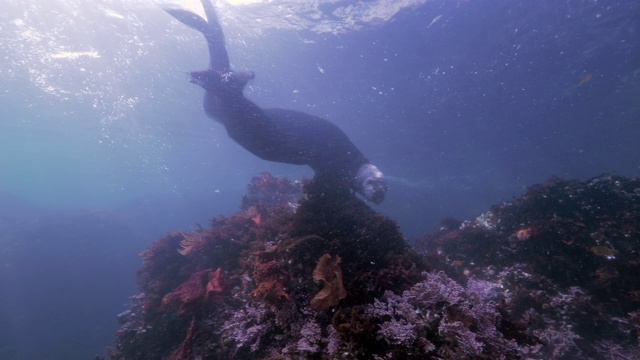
point(268, 286)
point(194, 291)
point(188, 295)
point(254, 214)
point(523, 234)
point(271, 291)
point(328, 271)
point(214, 285)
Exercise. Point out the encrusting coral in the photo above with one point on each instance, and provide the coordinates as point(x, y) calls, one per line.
point(306, 271)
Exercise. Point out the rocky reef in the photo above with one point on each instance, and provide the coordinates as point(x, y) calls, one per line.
point(564, 258)
point(305, 271)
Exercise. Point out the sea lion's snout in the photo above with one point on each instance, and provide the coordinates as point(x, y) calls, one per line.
point(370, 182)
point(375, 189)
point(378, 193)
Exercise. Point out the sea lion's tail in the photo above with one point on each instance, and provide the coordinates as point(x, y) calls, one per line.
point(212, 31)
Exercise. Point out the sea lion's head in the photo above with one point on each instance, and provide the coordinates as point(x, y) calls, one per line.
point(370, 182)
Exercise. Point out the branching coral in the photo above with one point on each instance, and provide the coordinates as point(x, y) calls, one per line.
point(191, 297)
point(444, 319)
point(190, 242)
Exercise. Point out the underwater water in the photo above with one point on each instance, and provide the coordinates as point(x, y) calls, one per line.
point(104, 145)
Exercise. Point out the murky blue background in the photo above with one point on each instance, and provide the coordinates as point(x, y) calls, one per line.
point(104, 145)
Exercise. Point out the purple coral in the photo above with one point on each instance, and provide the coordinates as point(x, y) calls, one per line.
point(310, 337)
point(401, 319)
point(561, 339)
point(247, 326)
point(333, 342)
point(462, 340)
point(440, 315)
point(435, 288)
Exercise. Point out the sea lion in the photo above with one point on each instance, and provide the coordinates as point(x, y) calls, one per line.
point(279, 135)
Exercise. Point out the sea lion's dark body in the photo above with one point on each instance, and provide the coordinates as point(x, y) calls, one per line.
point(279, 135)
point(286, 136)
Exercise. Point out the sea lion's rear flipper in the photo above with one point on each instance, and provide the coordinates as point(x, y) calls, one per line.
point(188, 18)
point(212, 31)
point(218, 57)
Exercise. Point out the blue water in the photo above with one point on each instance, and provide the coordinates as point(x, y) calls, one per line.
point(104, 146)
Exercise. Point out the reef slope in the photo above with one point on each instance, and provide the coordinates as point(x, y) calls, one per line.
point(302, 271)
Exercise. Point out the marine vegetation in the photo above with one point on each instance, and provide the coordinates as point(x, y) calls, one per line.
point(304, 271)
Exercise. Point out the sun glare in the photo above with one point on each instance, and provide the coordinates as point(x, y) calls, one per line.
point(242, 2)
point(195, 3)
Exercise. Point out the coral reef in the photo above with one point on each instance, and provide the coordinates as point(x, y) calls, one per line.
point(566, 255)
point(310, 271)
point(286, 264)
